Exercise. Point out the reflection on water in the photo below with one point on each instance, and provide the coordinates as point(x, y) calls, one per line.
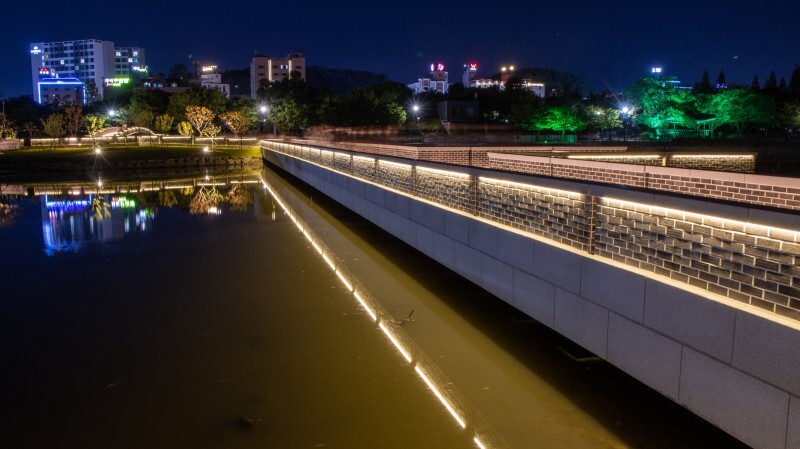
point(73, 216)
point(69, 224)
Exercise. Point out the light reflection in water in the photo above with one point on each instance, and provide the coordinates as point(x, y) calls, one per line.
point(484, 435)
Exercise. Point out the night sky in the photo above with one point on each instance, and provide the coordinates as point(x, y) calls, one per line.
point(608, 44)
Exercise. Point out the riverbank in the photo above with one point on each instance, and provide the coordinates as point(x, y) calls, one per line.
point(82, 159)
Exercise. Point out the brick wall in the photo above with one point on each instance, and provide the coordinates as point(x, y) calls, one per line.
point(773, 191)
point(746, 262)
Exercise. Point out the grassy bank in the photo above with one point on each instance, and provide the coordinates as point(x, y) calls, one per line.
point(120, 154)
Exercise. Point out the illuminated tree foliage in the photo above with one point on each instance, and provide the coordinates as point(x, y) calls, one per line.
point(661, 104)
point(236, 122)
point(564, 118)
point(163, 123)
point(603, 118)
point(53, 127)
point(94, 124)
point(185, 128)
point(204, 199)
point(143, 119)
point(741, 108)
point(239, 198)
point(73, 119)
point(200, 117)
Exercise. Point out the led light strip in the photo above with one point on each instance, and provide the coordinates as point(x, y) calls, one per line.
point(443, 172)
point(659, 210)
point(528, 186)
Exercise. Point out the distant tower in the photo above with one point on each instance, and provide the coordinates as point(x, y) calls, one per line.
point(470, 73)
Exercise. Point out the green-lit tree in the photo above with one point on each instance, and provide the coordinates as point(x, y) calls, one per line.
point(661, 103)
point(741, 108)
point(564, 118)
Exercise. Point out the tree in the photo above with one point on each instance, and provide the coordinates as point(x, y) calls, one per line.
point(200, 117)
point(143, 119)
point(741, 108)
point(721, 82)
point(235, 121)
point(7, 127)
point(782, 87)
point(755, 85)
point(794, 83)
point(212, 99)
point(185, 128)
point(92, 93)
point(93, 124)
point(53, 127)
point(564, 118)
point(771, 86)
point(179, 72)
point(788, 114)
point(704, 85)
point(163, 123)
point(661, 103)
point(603, 118)
point(73, 119)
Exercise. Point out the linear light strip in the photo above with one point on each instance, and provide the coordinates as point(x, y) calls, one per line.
point(443, 172)
point(395, 342)
point(527, 186)
point(665, 211)
point(712, 156)
point(440, 397)
point(344, 281)
point(395, 164)
point(643, 156)
point(365, 306)
point(479, 443)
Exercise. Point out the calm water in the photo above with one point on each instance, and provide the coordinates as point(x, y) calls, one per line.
point(176, 313)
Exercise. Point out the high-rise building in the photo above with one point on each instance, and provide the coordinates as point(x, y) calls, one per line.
point(275, 69)
point(87, 60)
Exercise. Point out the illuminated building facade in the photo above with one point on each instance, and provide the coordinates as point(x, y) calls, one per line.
point(129, 61)
point(87, 60)
point(275, 69)
point(210, 78)
point(438, 81)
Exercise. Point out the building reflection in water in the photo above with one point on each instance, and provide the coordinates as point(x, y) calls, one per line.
point(69, 223)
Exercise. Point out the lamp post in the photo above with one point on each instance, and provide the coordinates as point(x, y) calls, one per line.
point(415, 108)
point(625, 114)
point(263, 111)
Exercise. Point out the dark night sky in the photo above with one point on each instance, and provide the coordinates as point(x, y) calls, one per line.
point(608, 44)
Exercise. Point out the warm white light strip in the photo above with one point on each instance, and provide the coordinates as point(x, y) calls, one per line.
point(478, 442)
point(527, 186)
point(440, 397)
point(395, 342)
point(344, 281)
point(443, 172)
point(365, 306)
point(362, 158)
point(395, 164)
point(328, 261)
point(610, 156)
point(712, 156)
point(326, 152)
point(316, 247)
point(665, 211)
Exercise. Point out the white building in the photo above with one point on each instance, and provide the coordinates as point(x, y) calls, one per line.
point(86, 60)
point(211, 79)
point(275, 69)
point(436, 83)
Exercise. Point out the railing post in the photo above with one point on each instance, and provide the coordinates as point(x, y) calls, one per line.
point(473, 183)
point(591, 208)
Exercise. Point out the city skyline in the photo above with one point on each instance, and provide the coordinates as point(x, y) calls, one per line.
point(608, 47)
